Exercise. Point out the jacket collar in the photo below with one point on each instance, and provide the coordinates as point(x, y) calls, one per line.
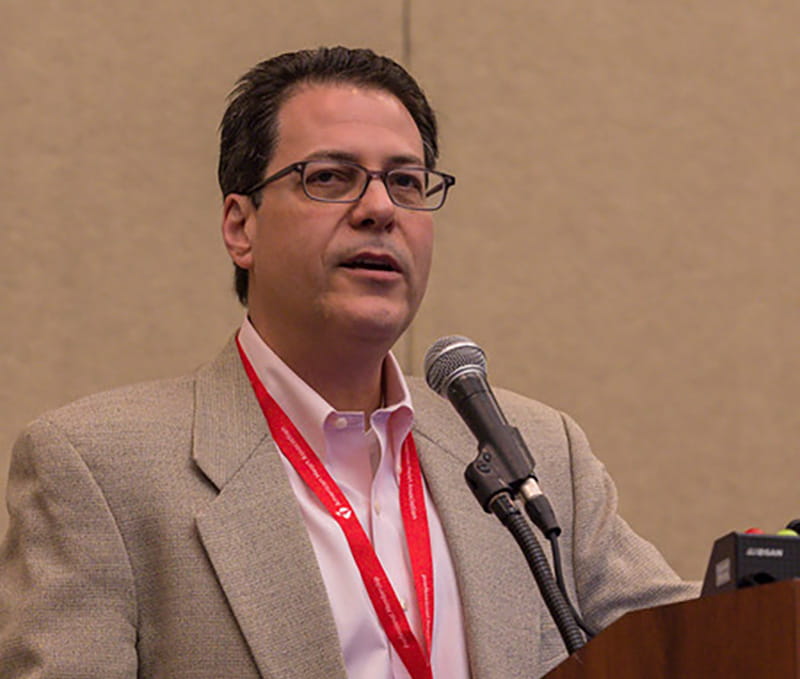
point(253, 530)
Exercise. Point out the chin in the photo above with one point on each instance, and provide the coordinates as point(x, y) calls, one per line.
point(381, 325)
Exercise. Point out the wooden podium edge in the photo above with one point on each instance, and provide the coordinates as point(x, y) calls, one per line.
point(749, 633)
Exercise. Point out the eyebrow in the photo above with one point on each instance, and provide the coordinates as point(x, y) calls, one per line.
point(398, 160)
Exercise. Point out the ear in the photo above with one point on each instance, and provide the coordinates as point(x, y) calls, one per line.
point(238, 228)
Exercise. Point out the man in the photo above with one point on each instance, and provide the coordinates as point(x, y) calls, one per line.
point(267, 515)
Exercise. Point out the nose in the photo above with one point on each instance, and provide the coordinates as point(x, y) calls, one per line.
point(374, 210)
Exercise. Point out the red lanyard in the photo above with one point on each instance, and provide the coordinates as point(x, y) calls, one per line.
point(415, 522)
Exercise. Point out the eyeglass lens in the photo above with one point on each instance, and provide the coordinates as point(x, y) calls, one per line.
point(408, 187)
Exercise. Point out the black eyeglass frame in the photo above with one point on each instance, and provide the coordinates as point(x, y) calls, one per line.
point(448, 180)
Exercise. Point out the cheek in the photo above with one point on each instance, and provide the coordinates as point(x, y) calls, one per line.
point(425, 267)
point(422, 246)
point(291, 240)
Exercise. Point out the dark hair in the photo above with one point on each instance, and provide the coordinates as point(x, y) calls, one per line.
point(249, 128)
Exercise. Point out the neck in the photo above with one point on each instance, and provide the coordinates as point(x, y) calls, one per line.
point(347, 374)
point(355, 386)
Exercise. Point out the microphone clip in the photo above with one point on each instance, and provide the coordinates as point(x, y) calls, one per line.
point(486, 476)
point(492, 473)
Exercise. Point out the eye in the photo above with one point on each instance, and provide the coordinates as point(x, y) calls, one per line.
point(407, 180)
point(331, 180)
point(329, 175)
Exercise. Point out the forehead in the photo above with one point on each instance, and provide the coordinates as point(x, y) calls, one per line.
point(365, 122)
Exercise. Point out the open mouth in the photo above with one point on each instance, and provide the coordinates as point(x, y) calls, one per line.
point(372, 263)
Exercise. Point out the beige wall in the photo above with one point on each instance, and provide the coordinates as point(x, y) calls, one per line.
point(622, 239)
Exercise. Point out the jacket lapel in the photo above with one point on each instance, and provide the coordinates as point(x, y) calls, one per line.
point(499, 597)
point(254, 534)
point(257, 543)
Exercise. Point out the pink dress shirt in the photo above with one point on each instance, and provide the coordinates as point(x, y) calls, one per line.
point(365, 462)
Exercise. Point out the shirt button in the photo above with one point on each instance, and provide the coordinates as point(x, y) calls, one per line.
point(377, 508)
point(340, 422)
point(404, 604)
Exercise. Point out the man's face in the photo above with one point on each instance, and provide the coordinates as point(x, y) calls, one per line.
point(312, 265)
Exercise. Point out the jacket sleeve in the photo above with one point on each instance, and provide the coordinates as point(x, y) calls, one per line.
point(67, 600)
point(615, 570)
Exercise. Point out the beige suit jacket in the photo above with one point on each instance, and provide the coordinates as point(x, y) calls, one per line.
point(153, 533)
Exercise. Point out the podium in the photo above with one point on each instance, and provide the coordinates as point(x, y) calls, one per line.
point(750, 633)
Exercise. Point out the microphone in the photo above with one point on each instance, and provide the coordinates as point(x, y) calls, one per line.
point(455, 368)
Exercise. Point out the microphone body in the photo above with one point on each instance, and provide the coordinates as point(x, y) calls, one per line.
point(455, 368)
point(473, 399)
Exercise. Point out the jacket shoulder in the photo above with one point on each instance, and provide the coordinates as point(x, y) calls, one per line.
point(158, 410)
point(514, 405)
point(541, 425)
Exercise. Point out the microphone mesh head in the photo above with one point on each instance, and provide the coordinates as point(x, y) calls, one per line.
point(450, 357)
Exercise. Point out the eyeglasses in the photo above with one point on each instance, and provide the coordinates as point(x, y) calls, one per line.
point(340, 181)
